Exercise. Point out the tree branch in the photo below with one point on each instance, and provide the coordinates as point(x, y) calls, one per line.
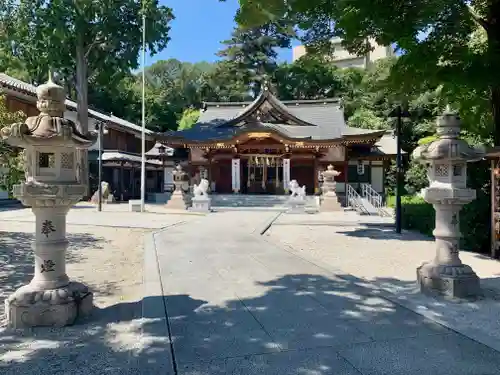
point(477, 19)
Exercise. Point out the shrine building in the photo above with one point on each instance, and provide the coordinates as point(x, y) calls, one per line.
point(258, 147)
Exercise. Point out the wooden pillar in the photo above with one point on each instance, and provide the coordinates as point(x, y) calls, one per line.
point(122, 187)
point(494, 209)
point(315, 171)
point(346, 169)
point(132, 181)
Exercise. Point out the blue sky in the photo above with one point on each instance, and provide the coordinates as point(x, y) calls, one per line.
point(198, 29)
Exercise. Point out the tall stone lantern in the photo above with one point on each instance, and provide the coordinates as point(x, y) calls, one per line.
point(50, 145)
point(330, 201)
point(446, 159)
point(176, 200)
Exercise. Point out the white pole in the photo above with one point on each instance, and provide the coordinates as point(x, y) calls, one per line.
point(143, 138)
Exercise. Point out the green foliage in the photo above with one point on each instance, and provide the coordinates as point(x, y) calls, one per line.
point(254, 50)
point(426, 140)
point(308, 78)
point(46, 33)
point(453, 46)
point(10, 158)
point(189, 118)
point(416, 214)
point(415, 177)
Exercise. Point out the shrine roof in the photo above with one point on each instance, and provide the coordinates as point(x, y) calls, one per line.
point(315, 120)
point(29, 90)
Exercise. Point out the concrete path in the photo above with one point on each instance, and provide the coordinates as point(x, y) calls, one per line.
point(237, 304)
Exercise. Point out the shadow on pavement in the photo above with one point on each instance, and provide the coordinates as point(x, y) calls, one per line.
point(17, 262)
point(384, 233)
point(300, 324)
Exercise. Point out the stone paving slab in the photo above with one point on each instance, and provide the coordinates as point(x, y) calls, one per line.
point(370, 254)
point(235, 308)
point(113, 215)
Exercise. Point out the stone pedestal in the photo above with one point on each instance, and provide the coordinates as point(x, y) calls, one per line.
point(446, 274)
point(330, 203)
point(50, 299)
point(446, 159)
point(54, 182)
point(296, 205)
point(176, 201)
point(201, 204)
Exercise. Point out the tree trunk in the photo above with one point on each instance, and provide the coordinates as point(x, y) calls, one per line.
point(492, 27)
point(82, 110)
point(495, 107)
point(82, 87)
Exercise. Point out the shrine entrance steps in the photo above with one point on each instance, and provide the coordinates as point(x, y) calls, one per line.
point(256, 202)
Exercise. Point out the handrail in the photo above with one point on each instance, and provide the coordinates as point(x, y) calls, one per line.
point(354, 199)
point(374, 198)
point(371, 195)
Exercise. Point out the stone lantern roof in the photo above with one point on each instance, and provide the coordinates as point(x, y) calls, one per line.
point(448, 145)
point(49, 127)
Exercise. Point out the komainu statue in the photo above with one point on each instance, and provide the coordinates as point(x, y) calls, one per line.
point(297, 192)
point(105, 193)
point(201, 189)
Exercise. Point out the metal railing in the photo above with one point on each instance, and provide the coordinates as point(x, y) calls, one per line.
point(354, 200)
point(375, 199)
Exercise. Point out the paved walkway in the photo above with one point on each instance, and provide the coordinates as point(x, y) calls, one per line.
point(237, 304)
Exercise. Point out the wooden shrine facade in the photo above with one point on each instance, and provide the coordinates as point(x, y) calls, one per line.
point(259, 147)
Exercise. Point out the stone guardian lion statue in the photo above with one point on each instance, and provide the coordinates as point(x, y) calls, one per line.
point(105, 193)
point(201, 189)
point(296, 190)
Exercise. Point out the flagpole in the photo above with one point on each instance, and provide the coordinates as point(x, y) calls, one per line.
point(143, 135)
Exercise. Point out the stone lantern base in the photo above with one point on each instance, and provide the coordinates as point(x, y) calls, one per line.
point(30, 306)
point(176, 201)
point(457, 281)
point(330, 203)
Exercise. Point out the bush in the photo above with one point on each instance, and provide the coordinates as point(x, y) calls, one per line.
point(416, 214)
point(420, 216)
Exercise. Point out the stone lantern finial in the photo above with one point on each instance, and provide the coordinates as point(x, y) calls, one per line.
point(51, 98)
point(448, 124)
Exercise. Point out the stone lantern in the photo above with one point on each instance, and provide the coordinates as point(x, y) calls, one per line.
point(52, 186)
point(446, 159)
point(176, 200)
point(330, 200)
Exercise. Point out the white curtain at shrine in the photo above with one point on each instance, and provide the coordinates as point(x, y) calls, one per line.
point(235, 173)
point(286, 173)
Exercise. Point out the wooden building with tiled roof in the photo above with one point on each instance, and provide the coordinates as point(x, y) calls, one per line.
point(259, 147)
point(121, 144)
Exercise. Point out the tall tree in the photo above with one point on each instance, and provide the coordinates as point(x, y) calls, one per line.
point(438, 39)
point(84, 40)
point(254, 50)
point(10, 157)
point(309, 77)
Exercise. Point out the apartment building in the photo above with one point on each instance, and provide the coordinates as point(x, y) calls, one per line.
point(343, 59)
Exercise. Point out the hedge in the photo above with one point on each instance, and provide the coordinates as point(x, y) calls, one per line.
point(419, 215)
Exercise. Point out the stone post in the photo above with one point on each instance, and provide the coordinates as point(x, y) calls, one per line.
point(446, 159)
point(54, 182)
point(330, 200)
point(176, 200)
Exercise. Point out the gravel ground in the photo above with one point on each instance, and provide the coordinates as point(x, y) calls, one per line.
point(110, 261)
